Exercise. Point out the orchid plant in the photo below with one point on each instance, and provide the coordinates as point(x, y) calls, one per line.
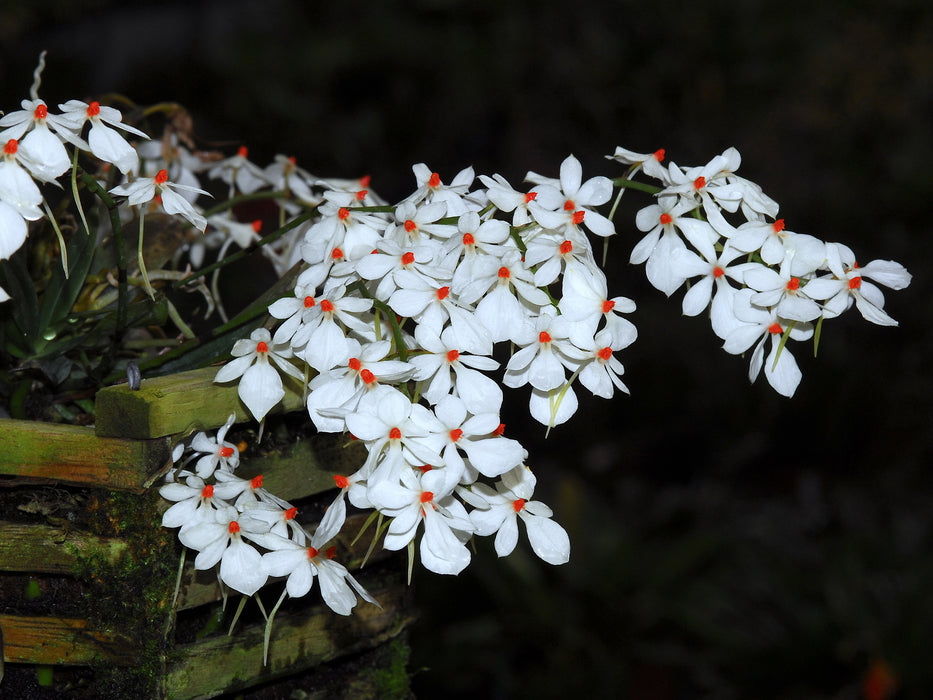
point(404, 322)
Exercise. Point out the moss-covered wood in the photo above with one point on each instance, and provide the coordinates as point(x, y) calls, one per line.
point(299, 641)
point(306, 467)
point(48, 549)
point(119, 567)
point(60, 640)
point(176, 404)
point(72, 454)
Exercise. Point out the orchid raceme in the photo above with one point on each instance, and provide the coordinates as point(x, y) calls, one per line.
point(399, 311)
point(401, 324)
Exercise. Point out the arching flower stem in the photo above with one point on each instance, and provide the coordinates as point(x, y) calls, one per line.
point(243, 252)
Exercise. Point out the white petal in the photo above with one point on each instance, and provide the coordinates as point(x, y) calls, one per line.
point(507, 537)
point(697, 297)
point(480, 393)
point(18, 190)
point(549, 408)
point(494, 456)
point(571, 174)
point(441, 551)
point(548, 539)
point(785, 376)
point(108, 145)
point(488, 521)
point(241, 568)
point(334, 589)
point(233, 369)
point(300, 580)
point(13, 231)
point(260, 389)
point(179, 514)
point(887, 272)
point(174, 203)
point(282, 562)
point(45, 155)
point(599, 224)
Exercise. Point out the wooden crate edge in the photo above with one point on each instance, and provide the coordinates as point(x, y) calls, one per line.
point(224, 664)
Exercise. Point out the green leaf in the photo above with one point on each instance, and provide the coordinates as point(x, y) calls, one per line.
point(201, 352)
point(61, 293)
point(24, 305)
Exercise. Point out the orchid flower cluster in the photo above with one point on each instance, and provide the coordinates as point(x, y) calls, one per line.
point(214, 518)
point(33, 142)
point(398, 310)
point(395, 318)
point(758, 279)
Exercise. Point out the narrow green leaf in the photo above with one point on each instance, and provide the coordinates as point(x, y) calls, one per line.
point(24, 304)
point(61, 293)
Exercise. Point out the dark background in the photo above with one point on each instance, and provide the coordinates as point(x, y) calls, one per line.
point(727, 542)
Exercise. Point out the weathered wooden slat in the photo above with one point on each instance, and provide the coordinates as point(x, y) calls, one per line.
point(47, 549)
point(73, 454)
point(298, 642)
point(59, 640)
point(178, 403)
point(307, 467)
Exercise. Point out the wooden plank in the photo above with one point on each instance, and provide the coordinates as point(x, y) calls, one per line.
point(299, 641)
point(307, 467)
point(51, 550)
point(59, 640)
point(73, 454)
point(176, 404)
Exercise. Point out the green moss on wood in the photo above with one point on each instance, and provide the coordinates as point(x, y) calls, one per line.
point(72, 454)
point(176, 404)
point(389, 678)
point(132, 595)
point(48, 549)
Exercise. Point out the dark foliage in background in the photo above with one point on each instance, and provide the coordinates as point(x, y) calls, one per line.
point(727, 542)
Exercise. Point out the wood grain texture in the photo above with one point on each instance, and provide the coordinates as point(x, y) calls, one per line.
point(176, 404)
point(299, 641)
point(59, 640)
point(47, 549)
point(72, 454)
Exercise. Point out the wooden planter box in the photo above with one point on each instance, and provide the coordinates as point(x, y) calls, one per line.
point(88, 574)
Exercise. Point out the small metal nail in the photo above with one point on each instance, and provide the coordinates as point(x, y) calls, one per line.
point(133, 376)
